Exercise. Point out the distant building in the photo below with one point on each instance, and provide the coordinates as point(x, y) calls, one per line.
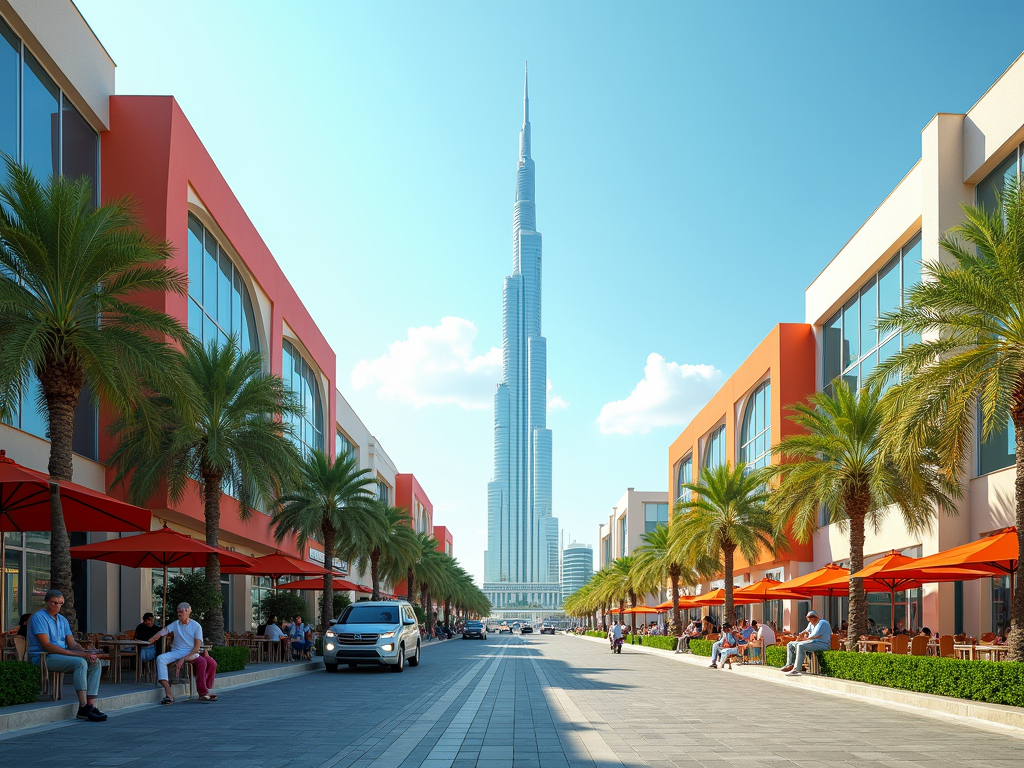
point(636, 513)
point(445, 542)
point(577, 567)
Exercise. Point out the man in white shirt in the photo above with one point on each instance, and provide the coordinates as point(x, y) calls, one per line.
point(185, 647)
point(817, 637)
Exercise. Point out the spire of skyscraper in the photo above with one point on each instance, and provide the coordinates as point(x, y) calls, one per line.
point(526, 94)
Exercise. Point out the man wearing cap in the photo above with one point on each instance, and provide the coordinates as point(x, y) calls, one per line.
point(817, 637)
point(50, 633)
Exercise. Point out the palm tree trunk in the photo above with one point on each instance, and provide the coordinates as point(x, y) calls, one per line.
point(410, 582)
point(677, 624)
point(858, 617)
point(622, 609)
point(214, 629)
point(62, 390)
point(1015, 641)
point(375, 573)
point(327, 607)
point(448, 613)
point(632, 604)
point(729, 555)
point(430, 612)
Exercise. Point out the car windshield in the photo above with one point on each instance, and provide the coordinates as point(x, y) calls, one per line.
point(369, 614)
point(473, 624)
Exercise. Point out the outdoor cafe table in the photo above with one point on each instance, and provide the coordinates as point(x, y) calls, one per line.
point(979, 651)
point(115, 657)
point(877, 646)
point(266, 645)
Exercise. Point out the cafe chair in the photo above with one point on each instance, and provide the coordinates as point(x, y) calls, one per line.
point(49, 682)
point(946, 646)
point(988, 637)
point(900, 644)
point(919, 645)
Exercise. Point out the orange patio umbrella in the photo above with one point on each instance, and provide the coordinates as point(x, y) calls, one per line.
point(717, 597)
point(276, 565)
point(685, 601)
point(318, 584)
point(826, 581)
point(645, 609)
point(994, 555)
point(157, 549)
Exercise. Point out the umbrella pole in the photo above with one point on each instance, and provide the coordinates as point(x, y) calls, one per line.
point(3, 584)
point(163, 605)
point(892, 609)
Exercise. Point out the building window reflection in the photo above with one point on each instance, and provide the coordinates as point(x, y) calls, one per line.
point(299, 377)
point(756, 432)
point(714, 450)
point(654, 515)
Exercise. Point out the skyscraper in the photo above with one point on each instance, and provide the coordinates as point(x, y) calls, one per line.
point(521, 562)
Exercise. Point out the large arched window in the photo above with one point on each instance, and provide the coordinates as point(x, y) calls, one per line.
point(756, 433)
point(714, 451)
point(299, 377)
point(218, 301)
point(685, 474)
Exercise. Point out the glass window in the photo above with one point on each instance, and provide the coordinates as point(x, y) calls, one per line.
point(10, 54)
point(41, 118)
point(655, 514)
point(219, 303)
point(623, 530)
point(79, 147)
point(300, 378)
point(685, 473)
point(343, 446)
point(714, 451)
point(999, 451)
point(383, 492)
point(756, 432)
point(851, 344)
point(1000, 604)
point(993, 185)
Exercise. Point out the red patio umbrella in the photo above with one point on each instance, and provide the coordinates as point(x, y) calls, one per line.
point(276, 565)
point(25, 506)
point(164, 548)
point(318, 584)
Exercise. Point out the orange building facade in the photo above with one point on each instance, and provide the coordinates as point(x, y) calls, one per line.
point(741, 423)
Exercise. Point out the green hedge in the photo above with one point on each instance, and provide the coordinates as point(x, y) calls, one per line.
point(230, 658)
point(593, 633)
point(997, 682)
point(700, 647)
point(775, 655)
point(660, 641)
point(19, 683)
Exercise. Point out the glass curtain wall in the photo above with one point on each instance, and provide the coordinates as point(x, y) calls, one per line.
point(299, 377)
point(756, 432)
point(655, 514)
point(26, 561)
point(1000, 604)
point(343, 446)
point(41, 128)
point(623, 530)
point(998, 452)
point(685, 474)
point(851, 345)
point(714, 451)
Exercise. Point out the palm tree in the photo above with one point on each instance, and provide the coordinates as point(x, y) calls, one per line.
point(224, 433)
point(725, 513)
point(333, 503)
point(621, 584)
point(431, 573)
point(840, 463)
point(659, 559)
point(972, 367)
point(393, 547)
point(64, 264)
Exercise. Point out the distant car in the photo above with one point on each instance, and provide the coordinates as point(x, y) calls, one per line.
point(504, 628)
point(547, 629)
point(526, 629)
point(474, 629)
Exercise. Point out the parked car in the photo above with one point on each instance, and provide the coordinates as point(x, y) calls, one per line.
point(547, 629)
point(526, 629)
point(474, 629)
point(383, 633)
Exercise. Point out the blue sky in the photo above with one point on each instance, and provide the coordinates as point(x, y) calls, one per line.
point(697, 166)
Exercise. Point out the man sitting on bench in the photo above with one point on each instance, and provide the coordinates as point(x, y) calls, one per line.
point(817, 637)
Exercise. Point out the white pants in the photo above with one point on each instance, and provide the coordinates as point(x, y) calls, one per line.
point(168, 658)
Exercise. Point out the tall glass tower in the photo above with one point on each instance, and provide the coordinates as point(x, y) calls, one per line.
point(521, 562)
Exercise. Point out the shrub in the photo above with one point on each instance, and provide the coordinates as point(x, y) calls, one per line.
point(700, 647)
point(775, 655)
point(660, 641)
point(284, 603)
point(594, 633)
point(192, 588)
point(340, 602)
point(997, 682)
point(19, 683)
point(230, 658)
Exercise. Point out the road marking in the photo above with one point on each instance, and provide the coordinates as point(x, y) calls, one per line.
point(558, 701)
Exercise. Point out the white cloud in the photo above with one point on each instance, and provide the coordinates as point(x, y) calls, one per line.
point(556, 402)
point(670, 394)
point(434, 366)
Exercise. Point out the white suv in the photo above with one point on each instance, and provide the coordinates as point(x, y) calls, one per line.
point(384, 632)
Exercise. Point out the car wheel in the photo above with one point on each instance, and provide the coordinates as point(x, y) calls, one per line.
point(400, 666)
point(330, 667)
point(415, 660)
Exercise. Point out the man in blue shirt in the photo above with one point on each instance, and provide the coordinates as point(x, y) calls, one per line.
point(50, 633)
point(817, 637)
point(297, 631)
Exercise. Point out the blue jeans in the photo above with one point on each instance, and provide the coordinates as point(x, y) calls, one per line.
point(147, 653)
point(86, 675)
point(797, 649)
point(717, 650)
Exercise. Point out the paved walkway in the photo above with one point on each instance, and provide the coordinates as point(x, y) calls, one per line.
point(521, 702)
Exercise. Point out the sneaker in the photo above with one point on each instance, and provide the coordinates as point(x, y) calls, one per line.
point(90, 713)
point(787, 668)
point(793, 673)
point(713, 666)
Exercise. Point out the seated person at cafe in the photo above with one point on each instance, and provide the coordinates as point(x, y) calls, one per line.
point(185, 647)
point(727, 645)
point(50, 633)
point(816, 637)
point(747, 629)
point(301, 635)
point(762, 636)
point(23, 625)
point(683, 641)
point(709, 626)
point(145, 632)
point(272, 631)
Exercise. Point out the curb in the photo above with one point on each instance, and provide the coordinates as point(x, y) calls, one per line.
point(979, 714)
point(65, 713)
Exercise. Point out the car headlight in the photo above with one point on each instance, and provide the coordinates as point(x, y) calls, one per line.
point(330, 646)
point(330, 633)
point(387, 634)
point(389, 647)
